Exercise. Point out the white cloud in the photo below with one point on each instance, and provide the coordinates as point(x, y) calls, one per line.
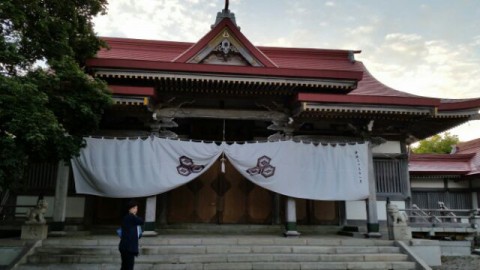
point(410, 43)
point(165, 19)
point(280, 42)
point(298, 38)
point(329, 4)
point(434, 68)
point(476, 41)
point(467, 131)
point(360, 30)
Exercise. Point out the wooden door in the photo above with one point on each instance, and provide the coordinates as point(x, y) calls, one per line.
point(317, 212)
point(109, 211)
point(244, 202)
point(221, 198)
point(195, 202)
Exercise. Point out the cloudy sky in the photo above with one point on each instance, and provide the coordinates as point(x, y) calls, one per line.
point(425, 47)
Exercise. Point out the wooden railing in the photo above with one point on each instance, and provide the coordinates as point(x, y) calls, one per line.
point(441, 216)
point(40, 176)
point(14, 212)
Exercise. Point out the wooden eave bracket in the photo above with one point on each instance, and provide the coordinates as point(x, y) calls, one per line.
point(279, 81)
point(361, 108)
point(220, 114)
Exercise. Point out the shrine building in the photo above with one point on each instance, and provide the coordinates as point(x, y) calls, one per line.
point(223, 89)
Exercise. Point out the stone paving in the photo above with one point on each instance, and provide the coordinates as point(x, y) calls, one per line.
point(459, 263)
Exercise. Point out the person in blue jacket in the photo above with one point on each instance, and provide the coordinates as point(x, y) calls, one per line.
point(129, 236)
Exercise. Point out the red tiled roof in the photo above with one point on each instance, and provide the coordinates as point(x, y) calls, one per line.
point(140, 49)
point(435, 164)
point(281, 62)
point(288, 58)
point(294, 62)
point(472, 147)
point(370, 86)
point(229, 70)
point(465, 161)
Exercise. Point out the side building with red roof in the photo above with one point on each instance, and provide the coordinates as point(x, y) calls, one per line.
point(453, 179)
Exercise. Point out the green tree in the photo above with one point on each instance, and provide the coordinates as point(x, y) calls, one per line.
point(47, 101)
point(437, 144)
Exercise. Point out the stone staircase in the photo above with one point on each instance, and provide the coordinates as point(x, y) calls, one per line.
point(221, 252)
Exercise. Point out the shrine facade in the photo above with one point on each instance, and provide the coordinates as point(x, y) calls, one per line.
point(223, 88)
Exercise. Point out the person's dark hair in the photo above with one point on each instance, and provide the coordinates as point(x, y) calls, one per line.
point(131, 204)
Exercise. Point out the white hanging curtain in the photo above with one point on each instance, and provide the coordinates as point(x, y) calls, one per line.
point(317, 172)
point(136, 168)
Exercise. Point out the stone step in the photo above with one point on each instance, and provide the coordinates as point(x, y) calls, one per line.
point(221, 252)
point(228, 229)
point(195, 241)
point(214, 249)
point(218, 258)
point(232, 266)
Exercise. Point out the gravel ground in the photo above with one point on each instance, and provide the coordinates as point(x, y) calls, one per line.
point(459, 263)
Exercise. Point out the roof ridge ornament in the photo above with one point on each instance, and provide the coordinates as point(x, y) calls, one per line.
point(225, 14)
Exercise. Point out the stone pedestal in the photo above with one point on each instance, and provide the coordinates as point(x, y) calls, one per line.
point(475, 222)
point(34, 231)
point(401, 232)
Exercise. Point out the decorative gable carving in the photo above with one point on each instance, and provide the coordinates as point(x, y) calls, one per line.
point(225, 54)
point(235, 48)
point(225, 49)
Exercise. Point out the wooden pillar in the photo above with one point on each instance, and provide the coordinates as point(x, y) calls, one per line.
point(474, 196)
point(405, 174)
point(276, 209)
point(373, 227)
point(60, 200)
point(163, 209)
point(291, 207)
point(475, 200)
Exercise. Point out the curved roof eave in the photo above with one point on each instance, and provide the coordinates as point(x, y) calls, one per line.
point(371, 86)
